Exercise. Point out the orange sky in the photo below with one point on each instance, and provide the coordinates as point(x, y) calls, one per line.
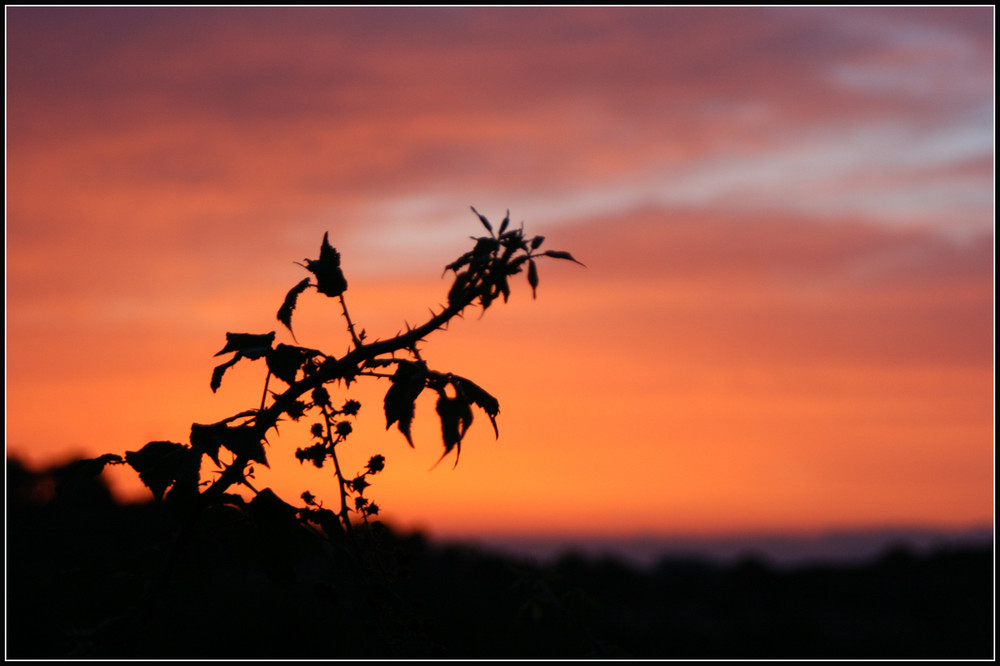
point(786, 319)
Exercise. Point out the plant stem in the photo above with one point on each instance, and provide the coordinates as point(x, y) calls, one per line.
point(336, 466)
point(350, 324)
point(263, 398)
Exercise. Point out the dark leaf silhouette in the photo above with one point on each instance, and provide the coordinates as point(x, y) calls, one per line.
point(244, 441)
point(246, 345)
point(221, 370)
point(330, 278)
point(559, 254)
point(251, 345)
point(456, 417)
point(533, 277)
point(407, 383)
point(162, 464)
point(482, 218)
point(285, 311)
point(284, 361)
point(207, 439)
point(475, 394)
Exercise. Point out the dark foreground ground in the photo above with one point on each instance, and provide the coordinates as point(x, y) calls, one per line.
point(87, 578)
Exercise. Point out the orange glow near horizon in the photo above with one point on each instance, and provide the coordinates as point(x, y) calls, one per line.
point(786, 318)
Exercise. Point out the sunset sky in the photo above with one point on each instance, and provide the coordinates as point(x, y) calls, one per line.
point(787, 219)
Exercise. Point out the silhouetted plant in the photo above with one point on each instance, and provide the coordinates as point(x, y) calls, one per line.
point(172, 471)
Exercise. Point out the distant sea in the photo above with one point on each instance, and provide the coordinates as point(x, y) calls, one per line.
point(783, 550)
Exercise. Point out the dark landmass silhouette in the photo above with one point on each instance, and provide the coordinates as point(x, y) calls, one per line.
point(85, 579)
point(780, 549)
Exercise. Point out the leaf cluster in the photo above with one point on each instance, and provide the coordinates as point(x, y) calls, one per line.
point(456, 396)
point(485, 271)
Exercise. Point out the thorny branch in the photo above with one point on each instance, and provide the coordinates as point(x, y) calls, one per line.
point(481, 276)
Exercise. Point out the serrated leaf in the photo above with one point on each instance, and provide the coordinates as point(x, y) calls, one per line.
point(291, 298)
point(559, 254)
point(243, 441)
point(456, 417)
point(475, 394)
point(251, 345)
point(207, 439)
point(400, 400)
point(330, 278)
point(221, 370)
point(162, 464)
point(284, 361)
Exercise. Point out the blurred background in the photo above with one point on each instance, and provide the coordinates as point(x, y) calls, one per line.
point(785, 325)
